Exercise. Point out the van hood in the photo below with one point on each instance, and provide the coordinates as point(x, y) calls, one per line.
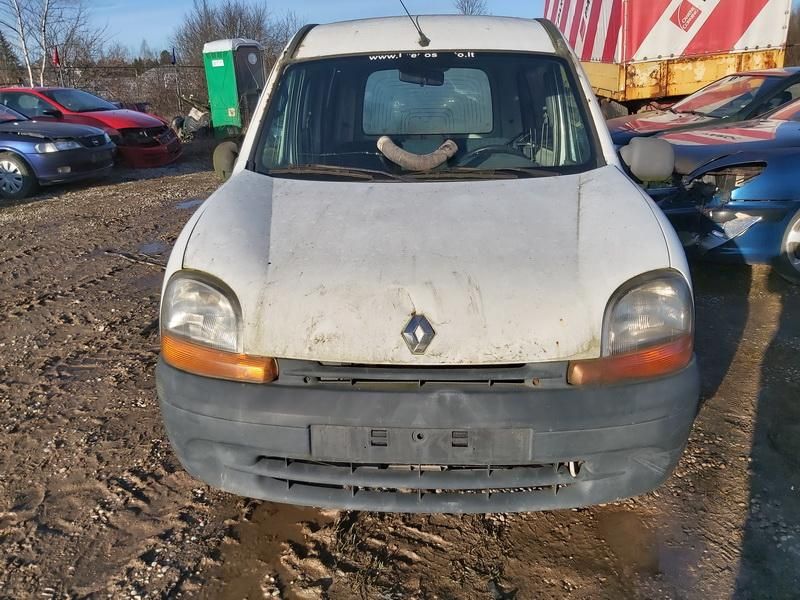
point(505, 271)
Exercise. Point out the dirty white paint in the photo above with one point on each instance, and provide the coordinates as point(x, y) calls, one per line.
point(393, 34)
point(506, 271)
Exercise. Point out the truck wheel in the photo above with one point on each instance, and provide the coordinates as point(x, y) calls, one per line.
point(225, 155)
point(16, 178)
point(788, 264)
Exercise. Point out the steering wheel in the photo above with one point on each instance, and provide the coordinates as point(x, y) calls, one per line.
point(480, 154)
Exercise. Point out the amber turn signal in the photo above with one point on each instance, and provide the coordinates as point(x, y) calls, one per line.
point(653, 362)
point(201, 360)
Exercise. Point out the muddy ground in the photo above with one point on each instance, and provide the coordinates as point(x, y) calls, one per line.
point(94, 504)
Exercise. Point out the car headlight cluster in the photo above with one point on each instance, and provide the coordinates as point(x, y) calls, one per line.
point(201, 313)
point(648, 331)
point(648, 312)
point(59, 146)
point(201, 332)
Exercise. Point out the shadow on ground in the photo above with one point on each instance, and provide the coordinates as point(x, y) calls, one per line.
point(771, 545)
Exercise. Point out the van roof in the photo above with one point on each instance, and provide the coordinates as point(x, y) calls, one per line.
point(446, 32)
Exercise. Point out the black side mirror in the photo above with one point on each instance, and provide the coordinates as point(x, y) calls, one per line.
point(225, 155)
point(53, 112)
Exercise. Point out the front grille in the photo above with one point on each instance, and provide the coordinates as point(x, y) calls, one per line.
point(418, 479)
point(93, 141)
point(297, 372)
point(150, 136)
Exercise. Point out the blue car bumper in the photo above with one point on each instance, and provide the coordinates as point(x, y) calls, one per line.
point(71, 165)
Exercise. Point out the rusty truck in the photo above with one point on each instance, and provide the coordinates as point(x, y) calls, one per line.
point(636, 52)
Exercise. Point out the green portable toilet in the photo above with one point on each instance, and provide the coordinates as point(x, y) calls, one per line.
point(235, 76)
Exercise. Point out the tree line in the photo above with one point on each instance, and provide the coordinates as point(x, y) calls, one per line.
point(32, 31)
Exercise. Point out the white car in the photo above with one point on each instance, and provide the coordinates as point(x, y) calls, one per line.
point(430, 285)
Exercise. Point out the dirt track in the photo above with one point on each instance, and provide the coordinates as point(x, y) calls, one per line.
point(93, 502)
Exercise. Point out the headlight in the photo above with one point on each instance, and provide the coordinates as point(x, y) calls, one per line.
point(648, 331)
point(48, 147)
point(654, 311)
point(200, 333)
point(201, 313)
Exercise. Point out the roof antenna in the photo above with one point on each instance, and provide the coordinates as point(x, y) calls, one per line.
point(424, 40)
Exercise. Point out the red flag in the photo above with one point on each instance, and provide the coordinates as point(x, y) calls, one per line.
point(56, 58)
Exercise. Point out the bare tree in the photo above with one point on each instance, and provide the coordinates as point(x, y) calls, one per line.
point(15, 19)
point(471, 7)
point(208, 21)
point(37, 27)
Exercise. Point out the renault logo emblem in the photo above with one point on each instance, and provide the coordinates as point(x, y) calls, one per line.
point(418, 334)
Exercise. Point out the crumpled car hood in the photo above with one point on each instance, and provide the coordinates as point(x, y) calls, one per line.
point(623, 129)
point(506, 271)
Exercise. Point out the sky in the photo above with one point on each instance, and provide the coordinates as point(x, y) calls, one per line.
point(129, 22)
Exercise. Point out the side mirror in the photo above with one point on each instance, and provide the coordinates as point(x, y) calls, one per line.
point(53, 112)
point(649, 159)
point(225, 155)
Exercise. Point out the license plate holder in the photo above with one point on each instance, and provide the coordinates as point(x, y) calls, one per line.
point(421, 446)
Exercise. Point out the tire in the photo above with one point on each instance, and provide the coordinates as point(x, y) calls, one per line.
point(17, 180)
point(788, 264)
point(225, 155)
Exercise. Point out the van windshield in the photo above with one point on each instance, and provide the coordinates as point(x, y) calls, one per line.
point(496, 115)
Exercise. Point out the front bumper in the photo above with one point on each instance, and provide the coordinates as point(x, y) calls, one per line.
point(83, 163)
point(150, 156)
point(432, 447)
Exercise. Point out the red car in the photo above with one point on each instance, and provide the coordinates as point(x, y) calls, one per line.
point(142, 140)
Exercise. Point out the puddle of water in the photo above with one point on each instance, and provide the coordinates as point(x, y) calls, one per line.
point(191, 203)
point(152, 248)
point(640, 548)
point(149, 283)
point(633, 543)
point(261, 539)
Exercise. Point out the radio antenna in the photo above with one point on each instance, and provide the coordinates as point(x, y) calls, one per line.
point(424, 40)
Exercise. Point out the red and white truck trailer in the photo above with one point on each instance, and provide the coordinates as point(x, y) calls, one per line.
point(637, 51)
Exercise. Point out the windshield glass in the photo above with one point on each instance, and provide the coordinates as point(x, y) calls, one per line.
point(727, 96)
point(517, 113)
point(78, 100)
point(8, 115)
point(788, 112)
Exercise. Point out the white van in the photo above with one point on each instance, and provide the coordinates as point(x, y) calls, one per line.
point(430, 285)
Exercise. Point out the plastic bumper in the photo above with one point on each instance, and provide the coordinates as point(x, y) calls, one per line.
point(150, 156)
point(72, 165)
point(456, 449)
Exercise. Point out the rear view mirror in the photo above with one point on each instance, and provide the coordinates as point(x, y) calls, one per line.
point(423, 77)
point(225, 155)
point(649, 159)
point(53, 112)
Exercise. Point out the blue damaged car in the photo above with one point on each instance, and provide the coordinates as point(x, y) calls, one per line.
point(34, 153)
point(735, 196)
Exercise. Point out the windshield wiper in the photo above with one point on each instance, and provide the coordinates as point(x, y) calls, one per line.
point(347, 172)
point(688, 112)
point(500, 173)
